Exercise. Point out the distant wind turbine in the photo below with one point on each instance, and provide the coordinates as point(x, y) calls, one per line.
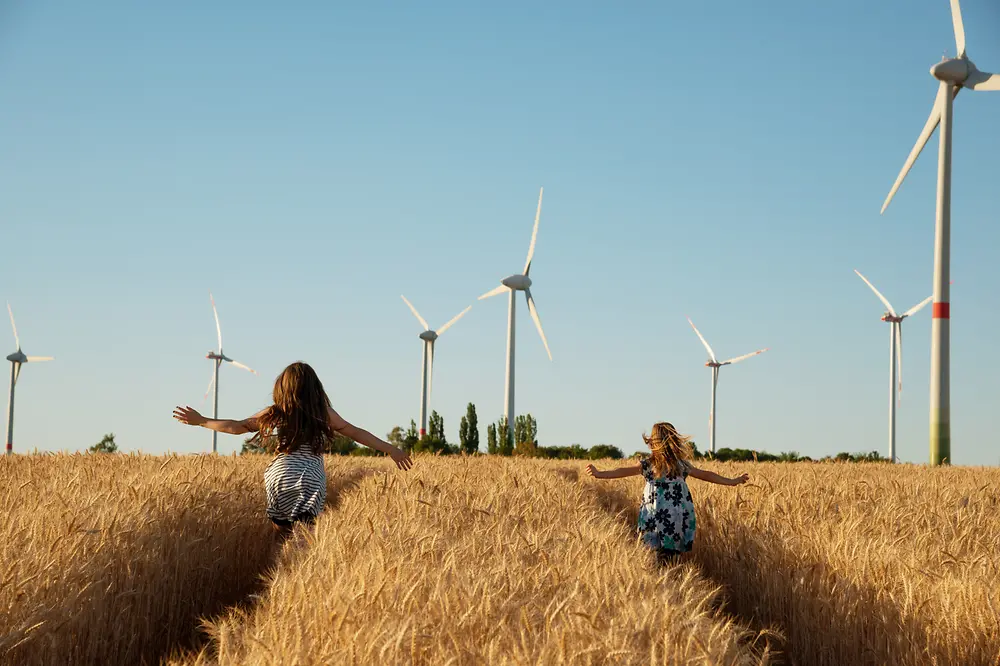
point(954, 74)
point(427, 373)
point(218, 357)
point(895, 355)
point(514, 284)
point(17, 359)
point(715, 364)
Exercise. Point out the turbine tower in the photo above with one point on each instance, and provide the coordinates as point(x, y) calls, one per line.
point(427, 373)
point(715, 364)
point(895, 355)
point(514, 284)
point(218, 358)
point(17, 359)
point(953, 74)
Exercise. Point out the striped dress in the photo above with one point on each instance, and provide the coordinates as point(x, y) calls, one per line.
point(295, 484)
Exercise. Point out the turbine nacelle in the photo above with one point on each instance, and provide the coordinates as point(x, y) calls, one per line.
point(429, 336)
point(18, 357)
point(516, 282)
point(714, 364)
point(953, 70)
point(893, 319)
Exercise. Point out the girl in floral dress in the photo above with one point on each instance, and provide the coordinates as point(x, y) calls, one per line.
point(666, 517)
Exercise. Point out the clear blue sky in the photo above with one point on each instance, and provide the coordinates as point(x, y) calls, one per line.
point(309, 164)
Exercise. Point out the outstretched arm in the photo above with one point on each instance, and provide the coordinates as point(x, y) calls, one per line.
point(712, 477)
point(362, 436)
point(619, 473)
point(190, 416)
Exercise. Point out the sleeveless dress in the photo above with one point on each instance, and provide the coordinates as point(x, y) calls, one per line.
point(666, 517)
point(295, 484)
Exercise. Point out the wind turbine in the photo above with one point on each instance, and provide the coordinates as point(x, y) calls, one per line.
point(218, 358)
point(17, 359)
point(953, 74)
point(514, 284)
point(426, 374)
point(715, 364)
point(895, 355)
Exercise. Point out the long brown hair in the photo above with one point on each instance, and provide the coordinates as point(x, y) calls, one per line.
point(299, 416)
point(669, 450)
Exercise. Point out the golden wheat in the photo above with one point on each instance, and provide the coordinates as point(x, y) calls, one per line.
point(124, 559)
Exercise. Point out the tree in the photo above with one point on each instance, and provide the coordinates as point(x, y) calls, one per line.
point(339, 445)
point(396, 437)
point(411, 438)
point(605, 451)
point(436, 427)
point(525, 430)
point(505, 445)
point(491, 439)
point(106, 445)
point(468, 430)
point(526, 449)
point(250, 445)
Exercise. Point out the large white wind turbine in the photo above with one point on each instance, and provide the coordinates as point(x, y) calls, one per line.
point(953, 74)
point(427, 373)
point(514, 284)
point(218, 358)
point(895, 355)
point(715, 364)
point(17, 359)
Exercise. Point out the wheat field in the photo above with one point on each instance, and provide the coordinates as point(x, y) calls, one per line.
point(141, 559)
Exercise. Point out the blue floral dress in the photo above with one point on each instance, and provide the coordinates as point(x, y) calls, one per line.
point(666, 517)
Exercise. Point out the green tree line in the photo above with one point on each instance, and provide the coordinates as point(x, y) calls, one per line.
point(524, 443)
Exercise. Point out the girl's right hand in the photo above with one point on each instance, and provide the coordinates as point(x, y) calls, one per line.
point(741, 479)
point(189, 416)
point(401, 458)
point(593, 471)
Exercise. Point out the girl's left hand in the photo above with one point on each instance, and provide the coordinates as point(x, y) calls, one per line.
point(189, 416)
point(741, 479)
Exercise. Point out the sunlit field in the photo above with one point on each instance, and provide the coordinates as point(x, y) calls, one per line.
point(132, 559)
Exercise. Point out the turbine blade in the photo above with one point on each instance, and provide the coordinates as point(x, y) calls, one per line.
point(211, 383)
point(453, 320)
point(14, 326)
point(956, 19)
point(245, 367)
point(534, 232)
point(982, 81)
point(711, 354)
point(538, 322)
point(744, 357)
point(17, 372)
point(882, 298)
point(218, 328)
point(918, 307)
point(925, 135)
point(415, 313)
point(38, 359)
point(493, 292)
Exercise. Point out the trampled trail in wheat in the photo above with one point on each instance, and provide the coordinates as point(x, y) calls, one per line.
point(143, 559)
point(477, 561)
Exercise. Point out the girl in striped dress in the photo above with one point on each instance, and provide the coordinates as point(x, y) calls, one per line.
point(299, 422)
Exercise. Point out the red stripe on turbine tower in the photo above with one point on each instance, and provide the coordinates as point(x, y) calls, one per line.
point(941, 311)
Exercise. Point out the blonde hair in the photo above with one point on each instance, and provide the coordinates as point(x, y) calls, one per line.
point(669, 450)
